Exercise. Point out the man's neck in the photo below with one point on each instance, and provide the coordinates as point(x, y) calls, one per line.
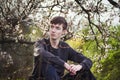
point(54, 43)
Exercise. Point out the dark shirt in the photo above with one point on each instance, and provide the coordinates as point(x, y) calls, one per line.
point(57, 57)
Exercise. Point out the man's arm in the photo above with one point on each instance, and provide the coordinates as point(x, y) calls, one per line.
point(85, 62)
point(39, 50)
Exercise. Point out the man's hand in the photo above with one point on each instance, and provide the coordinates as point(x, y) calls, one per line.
point(67, 66)
point(74, 68)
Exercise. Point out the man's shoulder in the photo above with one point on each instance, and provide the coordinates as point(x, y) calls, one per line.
point(42, 41)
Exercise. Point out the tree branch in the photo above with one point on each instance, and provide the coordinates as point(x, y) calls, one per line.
point(18, 41)
point(115, 4)
point(90, 22)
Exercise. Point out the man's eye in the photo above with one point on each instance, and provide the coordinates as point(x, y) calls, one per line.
point(58, 28)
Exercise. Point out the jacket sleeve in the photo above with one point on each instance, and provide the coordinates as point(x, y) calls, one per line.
point(39, 50)
point(79, 58)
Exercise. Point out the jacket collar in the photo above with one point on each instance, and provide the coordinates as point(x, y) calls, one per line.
point(60, 45)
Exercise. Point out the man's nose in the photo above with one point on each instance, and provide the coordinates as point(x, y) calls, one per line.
point(53, 29)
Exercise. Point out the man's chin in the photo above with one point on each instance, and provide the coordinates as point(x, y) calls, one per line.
point(54, 38)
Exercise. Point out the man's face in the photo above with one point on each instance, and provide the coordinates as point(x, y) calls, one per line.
point(56, 31)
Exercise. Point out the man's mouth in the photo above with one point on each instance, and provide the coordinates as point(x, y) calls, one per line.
point(53, 34)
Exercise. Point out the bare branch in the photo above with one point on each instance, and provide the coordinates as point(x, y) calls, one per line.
point(90, 22)
point(115, 4)
point(14, 41)
point(2, 12)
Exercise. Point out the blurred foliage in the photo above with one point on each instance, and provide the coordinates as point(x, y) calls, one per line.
point(76, 43)
point(111, 64)
point(16, 61)
point(111, 67)
point(106, 58)
point(34, 33)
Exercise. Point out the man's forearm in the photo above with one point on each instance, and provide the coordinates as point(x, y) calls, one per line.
point(87, 63)
point(48, 56)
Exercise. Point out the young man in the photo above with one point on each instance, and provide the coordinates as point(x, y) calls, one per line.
point(51, 56)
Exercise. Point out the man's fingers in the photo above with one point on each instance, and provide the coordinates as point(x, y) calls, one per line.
point(73, 69)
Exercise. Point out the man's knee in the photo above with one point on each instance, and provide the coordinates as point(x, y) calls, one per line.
point(85, 75)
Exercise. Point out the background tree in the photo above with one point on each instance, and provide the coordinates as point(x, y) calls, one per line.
point(15, 45)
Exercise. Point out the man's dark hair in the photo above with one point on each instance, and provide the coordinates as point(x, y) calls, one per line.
point(59, 20)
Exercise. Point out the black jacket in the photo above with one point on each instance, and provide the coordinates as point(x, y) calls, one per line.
point(46, 54)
